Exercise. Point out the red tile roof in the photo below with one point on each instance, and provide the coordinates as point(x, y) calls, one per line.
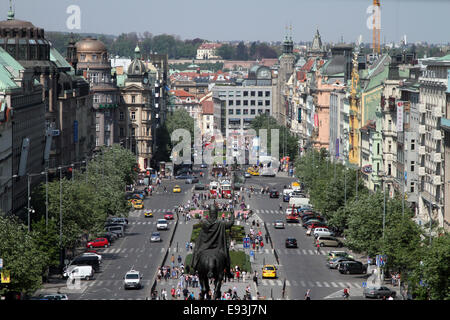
point(182, 94)
point(208, 107)
point(308, 65)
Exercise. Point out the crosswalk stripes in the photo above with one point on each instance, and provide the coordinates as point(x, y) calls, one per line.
point(334, 284)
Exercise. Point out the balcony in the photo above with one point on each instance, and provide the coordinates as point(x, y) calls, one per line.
point(437, 180)
point(436, 157)
point(437, 134)
point(422, 108)
point(421, 171)
point(422, 129)
point(422, 150)
point(437, 112)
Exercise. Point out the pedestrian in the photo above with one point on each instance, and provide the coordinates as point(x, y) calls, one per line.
point(237, 275)
point(187, 246)
point(191, 245)
point(267, 238)
point(255, 278)
point(346, 293)
point(318, 248)
point(244, 273)
point(261, 243)
point(307, 294)
point(172, 292)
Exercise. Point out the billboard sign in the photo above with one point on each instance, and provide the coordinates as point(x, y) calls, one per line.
point(400, 116)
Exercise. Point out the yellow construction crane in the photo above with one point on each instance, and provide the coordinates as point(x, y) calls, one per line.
point(376, 26)
point(354, 112)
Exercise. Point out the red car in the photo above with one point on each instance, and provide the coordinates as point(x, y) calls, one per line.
point(168, 216)
point(291, 218)
point(97, 243)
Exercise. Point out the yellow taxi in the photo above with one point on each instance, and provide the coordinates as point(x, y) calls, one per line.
point(138, 204)
point(148, 214)
point(176, 189)
point(269, 271)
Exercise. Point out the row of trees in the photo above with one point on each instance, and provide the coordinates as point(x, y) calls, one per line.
point(373, 223)
point(255, 51)
point(87, 199)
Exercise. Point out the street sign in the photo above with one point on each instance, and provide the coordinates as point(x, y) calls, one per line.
point(246, 243)
point(364, 284)
point(6, 276)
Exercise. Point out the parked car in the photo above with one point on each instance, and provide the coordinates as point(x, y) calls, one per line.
point(132, 279)
point(247, 175)
point(155, 237)
point(314, 217)
point(168, 216)
point(335, 254)
point(86, 261)
point(322, 232)
point(138, 204)
point(274, 193)
point(278, 224)
point(53, 296)
point(79, 272)
point(269, 271)
point(291, 243)
point(326, 241)
point(98, 243)
point(314, 223)
point(334, 263)
point(162, 224)
point(110, 236)
point(117, 229)
point(92, 254)
point(182, 176)
point(378, 292)
point(203, 165)
point(348, 267)
point(120, 220)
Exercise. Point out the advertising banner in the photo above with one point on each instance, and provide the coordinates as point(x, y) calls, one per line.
point(400, 116)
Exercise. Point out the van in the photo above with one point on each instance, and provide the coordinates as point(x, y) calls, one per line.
point(79, 272)
point(86, 260)
point(326, 241)
point(356, 267)
point(117, 229)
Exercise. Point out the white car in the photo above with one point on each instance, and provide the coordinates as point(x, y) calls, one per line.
point(156, 237)
point(323, 232)
point(79, 272)
point(162, 224)
point(278, 224)
point(289, 211)
point(92, 254)
point(132, 279)
point(309, 231)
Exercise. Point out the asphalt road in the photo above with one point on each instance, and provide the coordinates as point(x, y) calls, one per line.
point(303, 268)
point(135, 250)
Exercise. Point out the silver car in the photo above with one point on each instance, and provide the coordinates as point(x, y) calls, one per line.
point(155, 237)
point(378, 292)
point(278, 224)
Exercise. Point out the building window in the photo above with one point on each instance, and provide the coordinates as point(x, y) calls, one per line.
point(97, 141)
point(96, 98)
point(94, 57)
point(133, 115)
point(121, 132)
point(413, 145)
point(238, 102)
point(267, 111)
point(238, 111)
point(260, 93)
point(97, 127)
point(230, 102)
point(260, 103)
point(133, 99)
point(82, 57)
point(411, 188)
point(245, 93)
point(252, 111)
point(253, 103)
point(252, 93)
point(260, 111)
point(133, 132)
point(230, 111)
point(267, 102)
point(245, 102)
point(412, 166)
point(245, 111)
point(267, 93)
point(121, 116)
point(389, 169)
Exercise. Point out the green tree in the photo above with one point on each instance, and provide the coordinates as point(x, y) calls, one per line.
point(226, 51)
point(430, 277)
point(241, 52)
point(21, 256)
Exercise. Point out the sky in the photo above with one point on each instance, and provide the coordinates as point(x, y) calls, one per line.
point(248, 20)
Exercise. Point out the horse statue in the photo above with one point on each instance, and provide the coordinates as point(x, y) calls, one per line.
point(211, 258)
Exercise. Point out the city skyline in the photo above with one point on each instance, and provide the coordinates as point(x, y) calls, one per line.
point(260, 20)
